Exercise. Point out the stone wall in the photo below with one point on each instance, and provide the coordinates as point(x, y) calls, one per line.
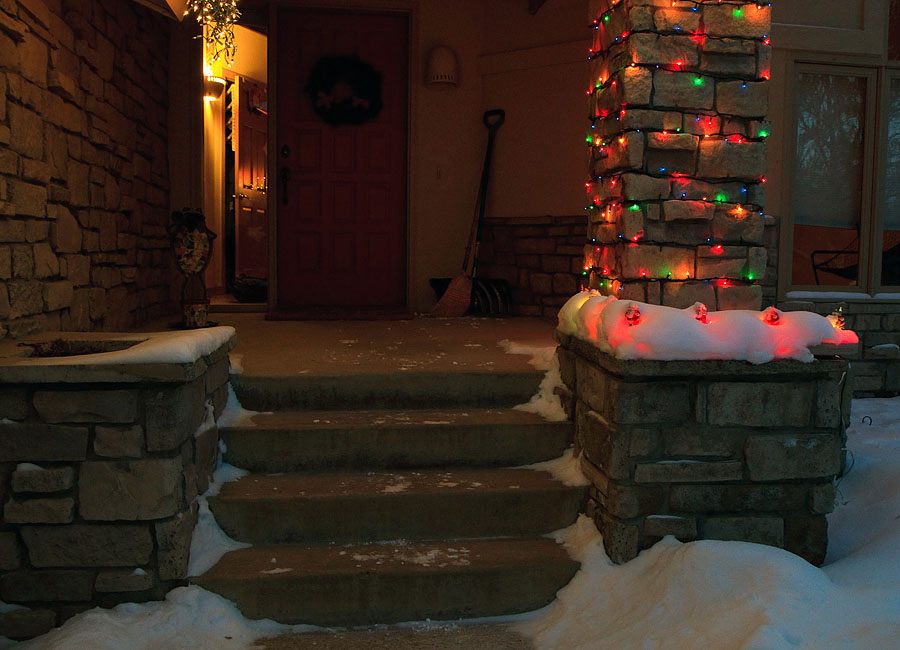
point(100, 468)
point(707, 449)
point(678, 100)
point(541, 258)
point(83, 166)
point(874, 361)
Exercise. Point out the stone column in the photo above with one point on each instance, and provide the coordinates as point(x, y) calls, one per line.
point(678, 101)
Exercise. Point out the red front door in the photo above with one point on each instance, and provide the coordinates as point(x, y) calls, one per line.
point(341, 218)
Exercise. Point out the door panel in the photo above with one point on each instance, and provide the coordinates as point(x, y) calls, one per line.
point(342, 220)
point(251, 214)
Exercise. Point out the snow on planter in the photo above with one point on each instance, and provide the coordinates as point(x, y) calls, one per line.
point(628, 329)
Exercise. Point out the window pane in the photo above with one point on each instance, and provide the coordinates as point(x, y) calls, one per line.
point(890, 246)
point(828, 176)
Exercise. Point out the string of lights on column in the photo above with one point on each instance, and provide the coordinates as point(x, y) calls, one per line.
point(611, 135)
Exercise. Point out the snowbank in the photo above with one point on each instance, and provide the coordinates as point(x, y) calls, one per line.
point(635, 330)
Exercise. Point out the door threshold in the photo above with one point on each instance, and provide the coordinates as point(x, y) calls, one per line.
point(340, 313)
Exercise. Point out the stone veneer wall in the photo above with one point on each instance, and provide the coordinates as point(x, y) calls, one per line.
point(875, 361)
point(678, 101)
point(84, 185)
point(707, 449)
point(541, 259)
point(108, 513)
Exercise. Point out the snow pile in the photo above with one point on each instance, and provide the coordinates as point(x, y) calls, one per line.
point(546, 402)
point(541, 355)
point(235, 415)
point(740, 596)
point(189, 618)
point(636, 330)
point(210, 542)
point(566, 469)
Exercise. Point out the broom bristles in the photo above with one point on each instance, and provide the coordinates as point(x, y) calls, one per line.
point(456, 299)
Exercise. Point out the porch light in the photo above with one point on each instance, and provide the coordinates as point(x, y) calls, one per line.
point(441, 69)
point(213, 87)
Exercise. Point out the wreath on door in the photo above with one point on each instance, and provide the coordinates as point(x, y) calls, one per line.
point(344, 90)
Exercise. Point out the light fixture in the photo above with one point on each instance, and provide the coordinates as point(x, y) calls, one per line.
point(441, 68)
point(213, 87)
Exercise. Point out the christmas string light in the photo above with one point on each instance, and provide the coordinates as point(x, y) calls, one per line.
point(218, 18)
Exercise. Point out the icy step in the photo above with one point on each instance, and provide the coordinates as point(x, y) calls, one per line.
point(388, 583)
point(315, 440)
point(360, 507)
point(391, 390)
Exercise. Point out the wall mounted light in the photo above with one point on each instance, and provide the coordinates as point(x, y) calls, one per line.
point(441, 69)
point(213, 87)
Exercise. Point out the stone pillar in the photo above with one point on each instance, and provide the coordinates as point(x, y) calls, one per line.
point(678, 101)
point(722, 450)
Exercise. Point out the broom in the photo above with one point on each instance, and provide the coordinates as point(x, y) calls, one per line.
point(458, 296)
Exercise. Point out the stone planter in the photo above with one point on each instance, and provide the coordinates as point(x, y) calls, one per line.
point(100, 464)
point(707, 449)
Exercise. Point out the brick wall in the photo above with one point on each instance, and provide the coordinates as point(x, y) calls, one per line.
point(541, 258)
point(83, 166)
point(678, 101)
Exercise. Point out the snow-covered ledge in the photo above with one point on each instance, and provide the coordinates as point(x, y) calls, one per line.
point(105, 442)
point(696, 444)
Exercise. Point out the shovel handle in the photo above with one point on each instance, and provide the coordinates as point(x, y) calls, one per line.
point(494, 118)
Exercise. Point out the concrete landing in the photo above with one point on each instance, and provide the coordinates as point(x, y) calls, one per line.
point(421, 345)
point(444, 637)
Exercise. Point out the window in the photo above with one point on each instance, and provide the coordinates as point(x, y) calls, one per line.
point(840, 168)
point(845, 179)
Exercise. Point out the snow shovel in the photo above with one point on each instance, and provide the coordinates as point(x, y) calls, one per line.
point(458, 296)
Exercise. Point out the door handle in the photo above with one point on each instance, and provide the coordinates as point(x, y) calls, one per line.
point(285, 176)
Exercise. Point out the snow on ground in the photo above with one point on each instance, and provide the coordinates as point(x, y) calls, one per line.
point(190, 618)
point(673, 596)
point(629, 329)
point(739, 596)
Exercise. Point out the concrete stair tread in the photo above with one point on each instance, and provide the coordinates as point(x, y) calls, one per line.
point(371, 506)
point(388, 418)
point(275, 487)
point(291, 441)
point(256, 563)
point(367, 584)
point(482, 387)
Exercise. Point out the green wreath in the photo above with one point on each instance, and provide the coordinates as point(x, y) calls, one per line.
point(344, 90)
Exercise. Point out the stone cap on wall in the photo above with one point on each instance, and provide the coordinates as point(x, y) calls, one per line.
point(718, 368)
point(180, 356)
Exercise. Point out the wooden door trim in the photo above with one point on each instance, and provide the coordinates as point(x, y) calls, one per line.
point(414, 72)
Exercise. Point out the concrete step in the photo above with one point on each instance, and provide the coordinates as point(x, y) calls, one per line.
point(361, 507)
point(343, 440)
point(389, 583)
point(422, 636)
point(396, 390)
